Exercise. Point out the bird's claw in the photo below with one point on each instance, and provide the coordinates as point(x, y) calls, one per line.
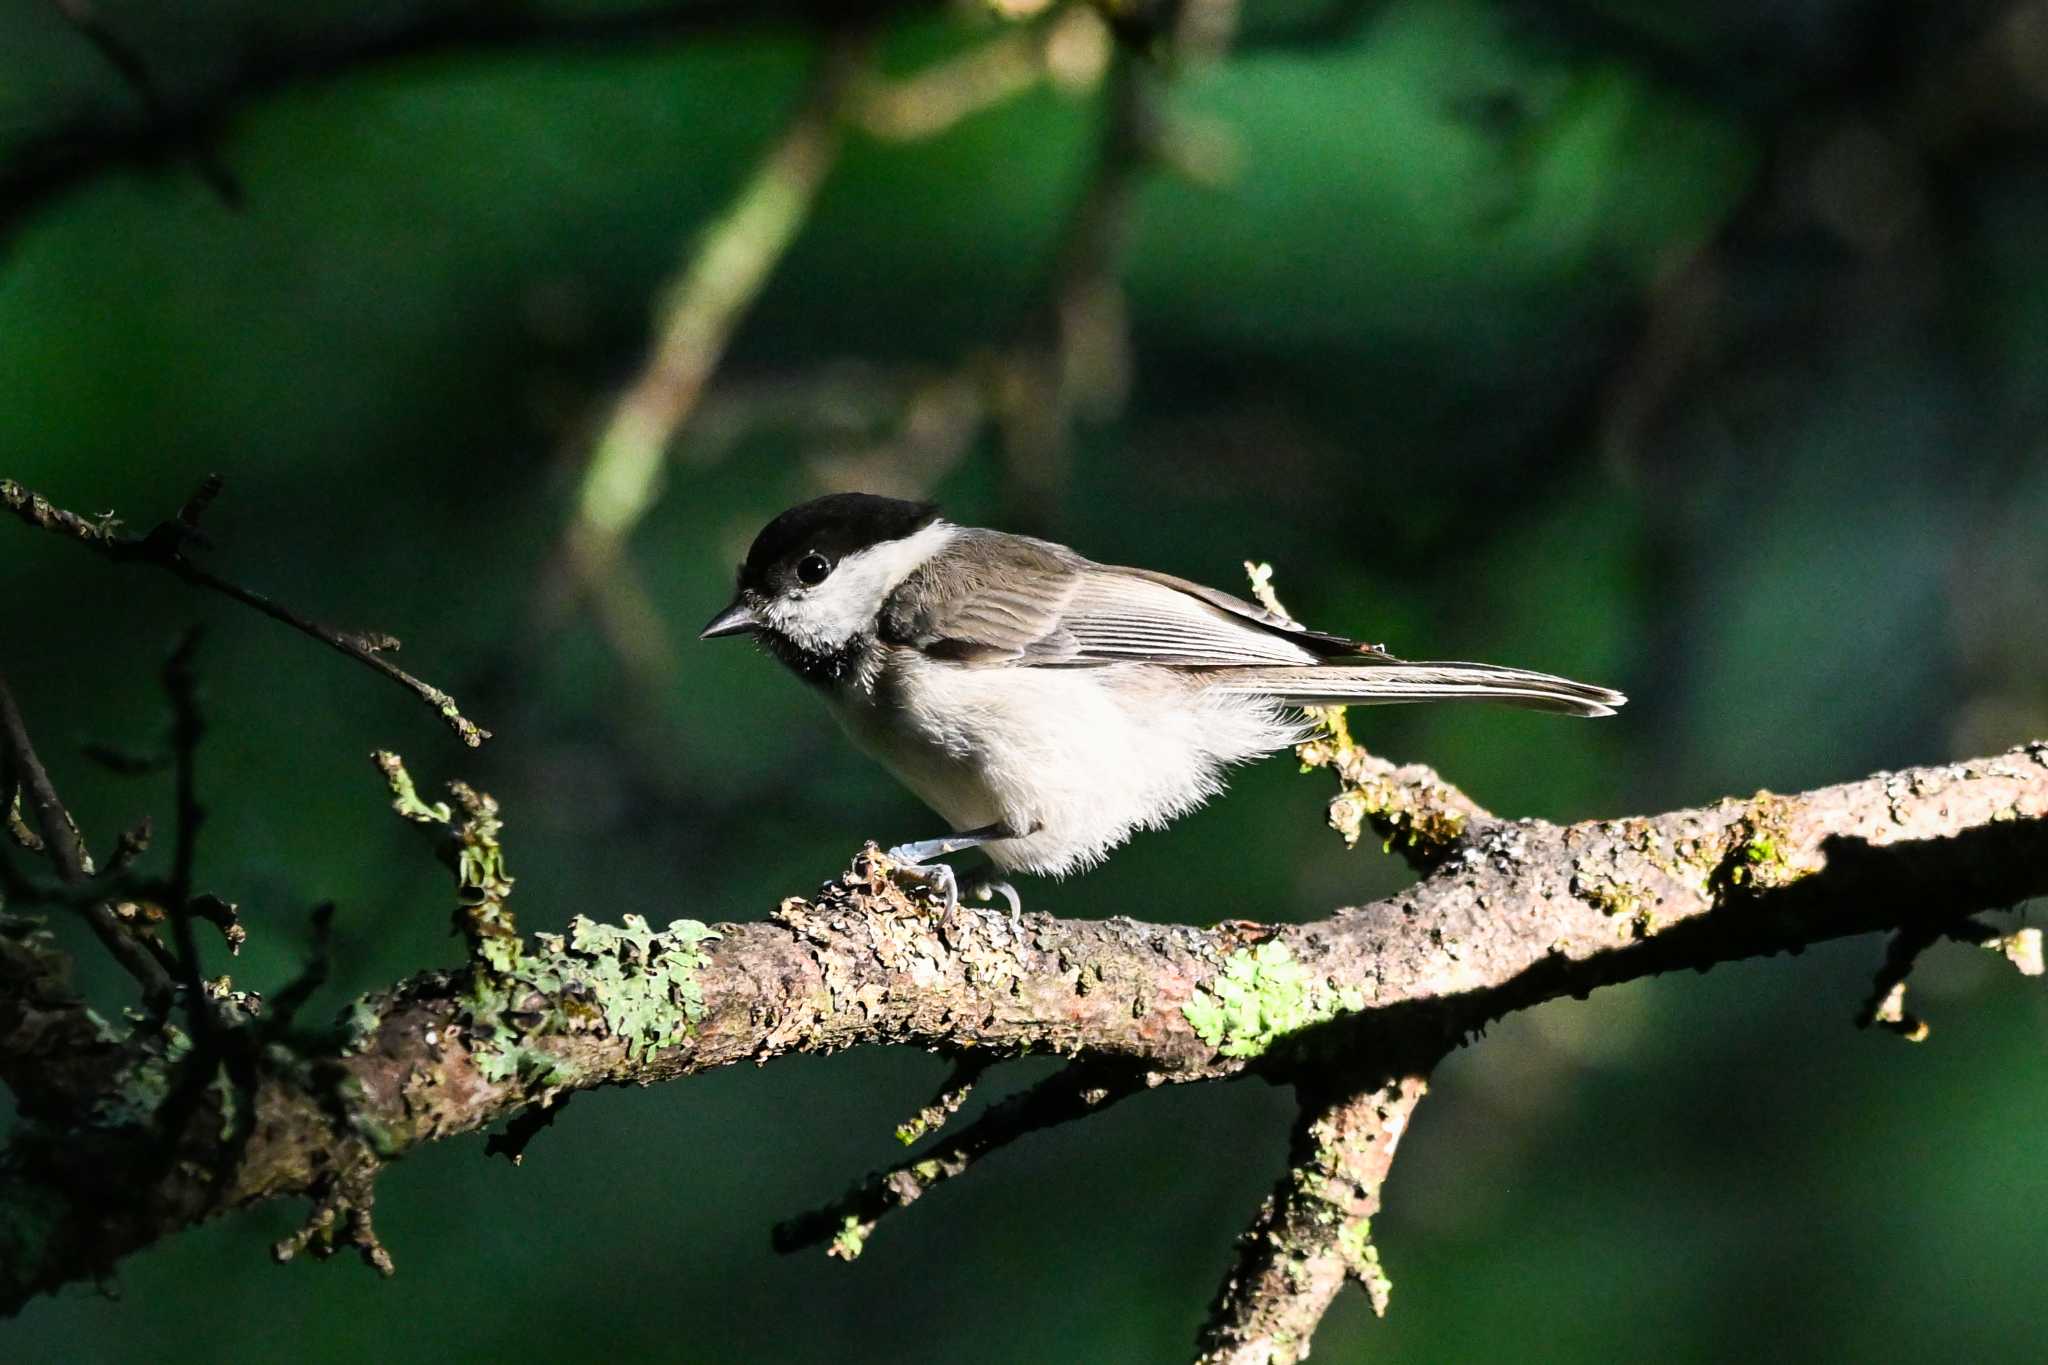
point(939, 878)
point(988, 888)
point(917, 863)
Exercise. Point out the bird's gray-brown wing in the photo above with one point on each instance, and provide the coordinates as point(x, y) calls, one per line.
point(991, 598)
point(1000, 600)
point(1320, 643)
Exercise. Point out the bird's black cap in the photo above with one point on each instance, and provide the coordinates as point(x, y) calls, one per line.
point(834, 526)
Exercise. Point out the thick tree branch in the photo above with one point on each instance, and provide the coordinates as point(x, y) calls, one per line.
point(1514, 913)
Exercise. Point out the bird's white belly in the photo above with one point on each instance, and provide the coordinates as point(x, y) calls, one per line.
point(1075, 759)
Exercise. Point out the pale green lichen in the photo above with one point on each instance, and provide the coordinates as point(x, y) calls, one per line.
point(482, 881)
point(518, 1060)
point(2022, 949)
point(1617, 898)
point(1759, 853)
point(643, 979)
point(1362, 1261)
point(143, 1084)
point(851, 1239)
point(405, 797)
point(480, 872)
point(1759, 843)
point(1261, 996)
point(639, 982)
point(1354, 1240)
point(359, 1024)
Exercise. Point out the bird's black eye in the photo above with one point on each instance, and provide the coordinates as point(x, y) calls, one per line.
point(812, 569)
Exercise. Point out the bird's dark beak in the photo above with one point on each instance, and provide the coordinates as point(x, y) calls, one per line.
point(734, 619)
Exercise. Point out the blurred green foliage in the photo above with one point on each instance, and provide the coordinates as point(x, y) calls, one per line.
point(1658, 345)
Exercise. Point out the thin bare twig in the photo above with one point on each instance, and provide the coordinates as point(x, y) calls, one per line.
point(66, 848)
point(1073, 1093)
point(166, 547)
point(1067, 50)
point(188, 726)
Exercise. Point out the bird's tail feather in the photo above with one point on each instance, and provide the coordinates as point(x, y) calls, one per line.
point(1392, 683)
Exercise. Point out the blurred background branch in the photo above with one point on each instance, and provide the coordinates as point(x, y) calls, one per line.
point(729, 263)
point(64, 156)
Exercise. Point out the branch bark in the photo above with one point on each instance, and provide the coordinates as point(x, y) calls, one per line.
point(1512, 914)
point(1315, 1233)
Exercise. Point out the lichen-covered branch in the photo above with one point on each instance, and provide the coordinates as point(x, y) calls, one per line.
point(1512, 914)
point(1415, 812)
point(1315, 1232)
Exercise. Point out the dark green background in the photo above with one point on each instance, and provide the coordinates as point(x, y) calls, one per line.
point(1430, 352)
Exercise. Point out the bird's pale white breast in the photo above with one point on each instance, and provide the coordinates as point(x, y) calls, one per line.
point(1080, 758)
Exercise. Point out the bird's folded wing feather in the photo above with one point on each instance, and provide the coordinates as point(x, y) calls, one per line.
point(1013, 600)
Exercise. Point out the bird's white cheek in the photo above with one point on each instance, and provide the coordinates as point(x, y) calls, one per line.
point(831, 615)
point(822, 621)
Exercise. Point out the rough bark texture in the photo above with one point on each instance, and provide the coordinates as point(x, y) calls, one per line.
point(1315, 1233)
point(128, 1139)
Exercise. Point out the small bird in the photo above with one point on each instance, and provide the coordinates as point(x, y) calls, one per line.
point(1044, 705)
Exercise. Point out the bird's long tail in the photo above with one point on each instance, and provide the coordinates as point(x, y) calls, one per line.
point(1385, 684)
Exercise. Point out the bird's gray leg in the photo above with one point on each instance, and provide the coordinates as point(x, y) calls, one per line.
point(924, 850)
point(915, 859)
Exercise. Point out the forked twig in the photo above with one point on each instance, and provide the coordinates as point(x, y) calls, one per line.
point(167, 545)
